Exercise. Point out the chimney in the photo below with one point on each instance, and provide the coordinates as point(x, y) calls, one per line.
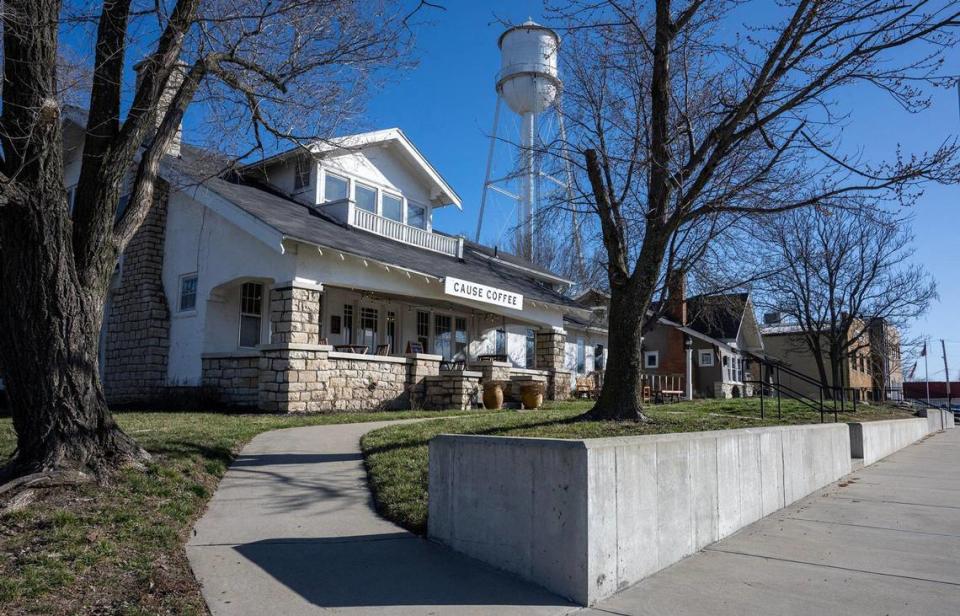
point(676, 309)
point(177, 76)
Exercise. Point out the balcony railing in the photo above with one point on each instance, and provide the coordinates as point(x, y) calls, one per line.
point(414, 236)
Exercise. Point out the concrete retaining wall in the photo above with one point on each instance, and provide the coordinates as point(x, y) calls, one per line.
point(587, 518)
point(873, 440)
point(937, 419)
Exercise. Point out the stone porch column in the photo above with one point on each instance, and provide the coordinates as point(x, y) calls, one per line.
point(551, 352)
point(295, 313)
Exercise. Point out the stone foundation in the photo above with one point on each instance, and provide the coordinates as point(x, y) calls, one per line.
point(454, 389)
point(315, 379)
point(234, 376)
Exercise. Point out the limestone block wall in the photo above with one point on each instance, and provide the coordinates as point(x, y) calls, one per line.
point(458, 389)
point(315, 379)
point(295, 314)
point(235, 376)
point(550, 357)
point(137, 340)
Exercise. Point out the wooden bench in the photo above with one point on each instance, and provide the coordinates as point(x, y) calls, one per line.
point(671, 395)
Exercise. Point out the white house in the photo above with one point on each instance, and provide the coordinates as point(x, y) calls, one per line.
point(315, 281)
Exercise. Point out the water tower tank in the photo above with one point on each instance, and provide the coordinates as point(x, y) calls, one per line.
point(528, 79)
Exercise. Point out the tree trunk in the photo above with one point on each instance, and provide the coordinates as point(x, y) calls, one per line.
point(621, 397)
point(49, 337)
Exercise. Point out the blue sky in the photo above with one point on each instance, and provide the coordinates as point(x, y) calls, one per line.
point(446, 107)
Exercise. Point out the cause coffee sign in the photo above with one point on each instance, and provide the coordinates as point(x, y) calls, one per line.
point(482, 293)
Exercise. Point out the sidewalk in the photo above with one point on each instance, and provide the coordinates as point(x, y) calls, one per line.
point(291, 530)
point(885, 540)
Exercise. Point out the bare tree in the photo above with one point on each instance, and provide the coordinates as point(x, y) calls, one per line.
point(835, 274)
point(288, 69)
point(684, 122)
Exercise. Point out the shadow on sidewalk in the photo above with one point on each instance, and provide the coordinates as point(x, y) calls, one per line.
point(388, 569)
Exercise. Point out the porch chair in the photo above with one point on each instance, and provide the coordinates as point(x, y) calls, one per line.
point(383, 349)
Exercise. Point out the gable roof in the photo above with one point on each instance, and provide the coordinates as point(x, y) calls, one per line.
point(718, 316)
point(388, 136)
point(297, 221)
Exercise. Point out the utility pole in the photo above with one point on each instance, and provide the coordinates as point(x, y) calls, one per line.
point(926, 369)
point(946, 370)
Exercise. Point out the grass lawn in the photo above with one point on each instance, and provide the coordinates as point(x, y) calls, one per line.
point(118, 549)
point(396, 457)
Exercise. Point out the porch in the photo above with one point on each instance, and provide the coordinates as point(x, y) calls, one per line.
point(338, 349)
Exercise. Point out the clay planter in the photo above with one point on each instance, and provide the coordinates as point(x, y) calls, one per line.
point(493, 396)
point(532, 396)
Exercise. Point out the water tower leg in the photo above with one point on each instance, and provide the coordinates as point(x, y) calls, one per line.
point(486, 178)
point(526, 194)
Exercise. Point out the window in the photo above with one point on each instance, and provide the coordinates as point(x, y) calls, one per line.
point(460, 341)
point(334, 324)
point(392, 208)
point(651, 359)
point(416, 216)
point(391, 330)
point(598, 357)
point(423, 330)
point(188, 293)
point(706, 359)
point(251, 305)
point(531, 348)
point(441, 336)
point(301, 173)
point(368, 327)
point(347, 324)
point(365, 197)
point(334, 187)
point(581, 356)
point(501, 342)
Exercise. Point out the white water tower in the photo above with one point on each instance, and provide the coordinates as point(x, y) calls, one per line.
point(529, 84)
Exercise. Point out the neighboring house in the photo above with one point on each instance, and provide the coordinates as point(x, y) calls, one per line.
point(722, 332)
point(886, 361)
point(785, 342)
point(918, 390)
point(264, 285)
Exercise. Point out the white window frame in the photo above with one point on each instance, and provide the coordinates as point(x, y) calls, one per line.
point(355, 184)
point(323, 189)
point(251, 314)
point(403, 205)
point(656, 360)
point(406, 214)
point(705, 354)
point(184, 278)
point(305, 162)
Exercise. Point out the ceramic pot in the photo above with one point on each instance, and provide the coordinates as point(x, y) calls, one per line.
point(492, 396)
point(532, 396)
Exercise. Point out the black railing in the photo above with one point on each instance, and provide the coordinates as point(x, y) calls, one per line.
point(816, 403)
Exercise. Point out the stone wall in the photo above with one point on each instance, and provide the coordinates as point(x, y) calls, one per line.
point(295, 313)
point(551, 346)
point(138, 324)
point(234, 376)
point(299, 378)
point(454, 389)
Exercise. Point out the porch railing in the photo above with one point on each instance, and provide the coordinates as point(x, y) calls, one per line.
point(414, 236)
point(663, 384)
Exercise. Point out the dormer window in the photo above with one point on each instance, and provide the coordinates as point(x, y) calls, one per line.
point(366, 197)
point(416, 216)
point(301, 173)
point(392, 207)
point(335, 187)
